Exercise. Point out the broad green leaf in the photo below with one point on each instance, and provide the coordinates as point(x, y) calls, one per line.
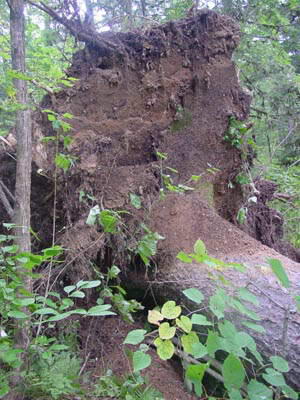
point(246, 295)
point(199, 248)
point(184, 257)
point(154, 317)
point(17, 314)
point(77, 294)
point(259, 391)
point(140, 360)
point(135, 200)
point(188, 341)
point(199, 350)
point(88, 284)
point(100, 310)
point(68, 289)
point(199, 319)
point(25, 301)
point(213, 343)
point(255, 327)
point(234, 394)
point(195, 374)
point(166, 331)
point(62, 161)
point(109, 221)
point(135, 337)
point(45, 311)
point(217, 304)
point(53, 251)
point(184, 323)
point(279, 271)
point(58, 347)
point(165, 349)
point(170, 310)
point(194, 294)
point(289, 392)
point(235, 303)
point(280, 363)
point(274, 377)
point(233, 372)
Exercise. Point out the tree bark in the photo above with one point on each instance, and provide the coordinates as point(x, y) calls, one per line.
point(21, 216)
point(277, 308)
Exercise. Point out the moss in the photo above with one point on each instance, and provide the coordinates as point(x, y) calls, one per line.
point(183, 119)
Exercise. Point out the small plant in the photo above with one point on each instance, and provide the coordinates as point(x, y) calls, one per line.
point(235, 133)
point(132, 387)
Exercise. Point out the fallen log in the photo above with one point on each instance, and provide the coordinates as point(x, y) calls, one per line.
point(184, 219)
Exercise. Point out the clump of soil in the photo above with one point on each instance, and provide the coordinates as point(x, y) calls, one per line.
point(266, 224)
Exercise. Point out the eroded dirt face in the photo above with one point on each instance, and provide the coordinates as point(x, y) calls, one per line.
point(172, 92)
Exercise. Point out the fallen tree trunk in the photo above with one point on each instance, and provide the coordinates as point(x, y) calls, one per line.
point(184, 219)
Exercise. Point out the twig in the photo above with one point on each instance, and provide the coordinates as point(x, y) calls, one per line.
point(84, 364)
point(5, 202)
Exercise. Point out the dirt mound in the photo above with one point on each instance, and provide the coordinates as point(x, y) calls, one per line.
point(266, 224)
point(170, 92)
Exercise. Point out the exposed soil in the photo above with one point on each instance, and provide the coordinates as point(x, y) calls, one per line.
point(171, 90)
point(104, 344)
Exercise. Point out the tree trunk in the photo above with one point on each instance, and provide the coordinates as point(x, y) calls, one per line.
point(21, 216)
point(184, 219)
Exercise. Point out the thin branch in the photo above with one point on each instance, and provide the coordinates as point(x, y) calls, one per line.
point(77, 31)
point(5, 202)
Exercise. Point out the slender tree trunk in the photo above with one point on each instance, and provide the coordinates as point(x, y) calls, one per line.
point(21, 216)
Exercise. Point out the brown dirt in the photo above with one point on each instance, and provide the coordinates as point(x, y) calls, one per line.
point(104, 344)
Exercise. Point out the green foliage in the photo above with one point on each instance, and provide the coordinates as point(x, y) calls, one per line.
point(52, 375)
point(235, 134)
point(218, 336)
point(132, 387)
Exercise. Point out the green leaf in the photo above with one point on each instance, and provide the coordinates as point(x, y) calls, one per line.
point(194, 294)
point(135, 200)
point(199, 319)
point(246, 295)
point(135, 337)
point(255, 327)
point(184, 257)
point(280, 363)
point(184, 323)
point(199, 248)
point(274, 378)
point(213, 343)
point(53, 251)
point(140, 361)
point(217, 304)
point(279, 271)
point(195, 373)
point(259, 391)
point(289, 392)
point(62, 161)
point(77, 294)
point(199, 350)
point(109, 221)
point(188, 341)
point(17, 314)
point(100, 310)
point(88, 284)
point(165, 348)
point(45, 311)
point(233, 372)
point(170, 310)
point(166, 331)
point(68, 289)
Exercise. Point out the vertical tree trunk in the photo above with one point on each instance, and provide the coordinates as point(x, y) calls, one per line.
point(21, 216)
